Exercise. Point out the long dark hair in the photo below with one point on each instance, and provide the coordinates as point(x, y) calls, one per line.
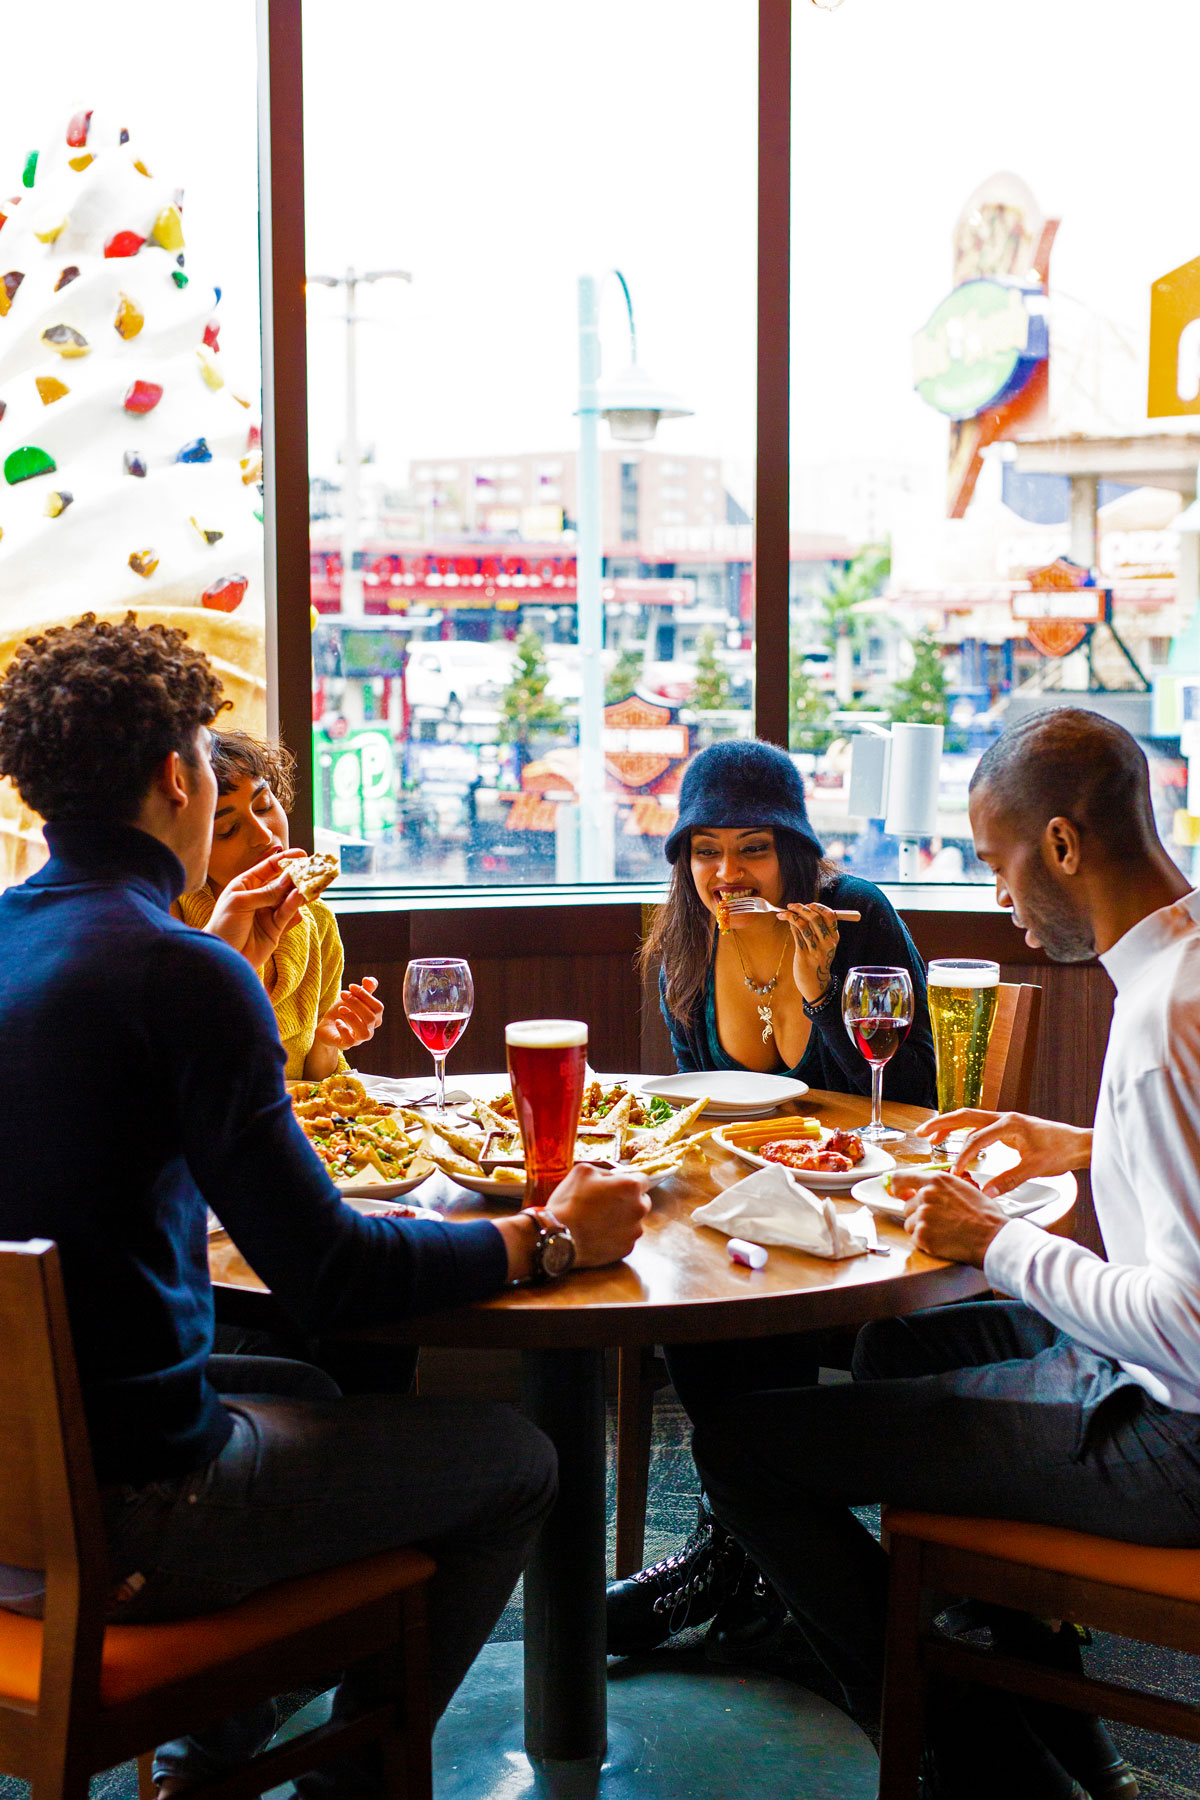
point(680, 938)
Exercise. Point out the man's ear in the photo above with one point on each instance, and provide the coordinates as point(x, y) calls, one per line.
point(1061, 847)
point(170, 779)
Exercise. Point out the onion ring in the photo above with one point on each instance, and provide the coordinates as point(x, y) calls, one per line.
point(344, 1094)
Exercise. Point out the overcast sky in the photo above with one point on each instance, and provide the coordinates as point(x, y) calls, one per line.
point(499, 149)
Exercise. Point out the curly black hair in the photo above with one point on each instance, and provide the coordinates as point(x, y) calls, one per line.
point(238, 757)
point(88, 712)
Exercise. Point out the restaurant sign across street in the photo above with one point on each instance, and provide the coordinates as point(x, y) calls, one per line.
point(980, 346)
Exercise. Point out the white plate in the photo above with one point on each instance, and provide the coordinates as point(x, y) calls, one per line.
point(1029, 1197)
point(381, 1190)
point(875, 1162)
point(490, 1188)
point(379, 1203)
point(730, 1093)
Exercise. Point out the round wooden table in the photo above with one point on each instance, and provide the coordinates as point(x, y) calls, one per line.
point(678, 1286)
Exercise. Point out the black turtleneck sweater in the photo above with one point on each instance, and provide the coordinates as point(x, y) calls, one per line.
point(141, 1075)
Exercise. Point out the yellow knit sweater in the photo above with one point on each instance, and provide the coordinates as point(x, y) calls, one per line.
point(302, 979)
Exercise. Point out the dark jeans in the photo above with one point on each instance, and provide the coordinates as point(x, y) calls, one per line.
point(705, 1375)
point(980, 1409)
point(310, 1479)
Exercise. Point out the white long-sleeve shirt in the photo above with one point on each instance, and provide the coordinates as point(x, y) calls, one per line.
point(1142, 1306)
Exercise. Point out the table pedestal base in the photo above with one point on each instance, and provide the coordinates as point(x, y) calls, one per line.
point(677, 1727)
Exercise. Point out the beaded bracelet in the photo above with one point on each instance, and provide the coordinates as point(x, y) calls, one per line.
point(818, 1008)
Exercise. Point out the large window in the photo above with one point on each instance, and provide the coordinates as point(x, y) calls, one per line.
point(532, 586)
point(982, 198)
point(129, 338)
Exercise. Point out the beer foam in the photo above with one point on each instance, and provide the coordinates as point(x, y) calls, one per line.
point(954, 973)
point(546, 1034)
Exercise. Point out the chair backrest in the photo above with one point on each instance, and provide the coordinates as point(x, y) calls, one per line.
point(49, 1504)
point(1008, 1072)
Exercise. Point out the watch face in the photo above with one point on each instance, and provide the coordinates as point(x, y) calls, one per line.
point(558, 1254)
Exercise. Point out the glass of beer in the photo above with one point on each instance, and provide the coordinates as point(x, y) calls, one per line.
point(962, 1011)
point(546, 1061)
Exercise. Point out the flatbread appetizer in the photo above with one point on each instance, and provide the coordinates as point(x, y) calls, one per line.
point(313, 874)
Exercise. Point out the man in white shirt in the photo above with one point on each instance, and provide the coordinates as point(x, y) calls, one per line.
point(1078, 1403)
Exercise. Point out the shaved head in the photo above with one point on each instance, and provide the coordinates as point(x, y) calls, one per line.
point(1067, 763)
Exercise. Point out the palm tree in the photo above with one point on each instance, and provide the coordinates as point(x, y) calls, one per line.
point(860, 582)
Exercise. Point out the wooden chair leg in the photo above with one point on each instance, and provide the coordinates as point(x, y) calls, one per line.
point(414, 1703)
point(145, 1769)
point(635, 1421)
point(902, 1734)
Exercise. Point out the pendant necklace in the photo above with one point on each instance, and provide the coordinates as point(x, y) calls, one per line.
point(764, 989)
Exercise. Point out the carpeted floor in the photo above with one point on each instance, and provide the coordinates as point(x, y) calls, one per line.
point(1167, 1768)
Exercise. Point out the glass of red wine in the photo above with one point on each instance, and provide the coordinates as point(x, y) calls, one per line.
point(877, 1007)
point(438, 997)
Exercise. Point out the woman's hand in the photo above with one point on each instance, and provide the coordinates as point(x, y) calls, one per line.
point(352, 1018)
point(254, 910)
point(814, 940)
point(1044, 1146)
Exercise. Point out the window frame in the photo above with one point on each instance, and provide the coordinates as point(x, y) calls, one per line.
point(285, 392)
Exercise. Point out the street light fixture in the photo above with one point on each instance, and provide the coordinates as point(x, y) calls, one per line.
point(633, 404)
point(351, 454)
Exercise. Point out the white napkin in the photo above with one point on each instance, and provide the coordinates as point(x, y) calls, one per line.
point(771, 1207)
point(402, 1092)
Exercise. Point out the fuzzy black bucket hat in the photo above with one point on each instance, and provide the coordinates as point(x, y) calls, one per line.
point(738, 784)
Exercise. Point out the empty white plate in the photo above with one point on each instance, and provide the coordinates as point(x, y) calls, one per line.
point(729, 1093)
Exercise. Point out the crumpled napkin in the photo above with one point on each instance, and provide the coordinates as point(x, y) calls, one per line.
point(771, 1207)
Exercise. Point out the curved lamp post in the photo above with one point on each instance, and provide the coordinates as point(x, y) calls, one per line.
point(633, 404)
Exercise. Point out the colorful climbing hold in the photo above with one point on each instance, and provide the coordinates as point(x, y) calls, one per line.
point(212, 332)
point(77, 129)
point(66, 340)
point(124, 135)
point(25, 463)
point(70, 273)
point(29, 172)
point(50, 388)
point(209, 536)
point(130, 317)
point(225, 595)
point(58, 503)
point(141, 168)
point(210, 368)
point(3, 408)
point(197, 451)
point(80, 163)
point(135, 464)
point(143, 562)
point(167, 229)
point(143, 397)
point(123, 243)
point(179, 278)
point(251, 467)
point(216, 296)
point(49, 232)
point(8, 286)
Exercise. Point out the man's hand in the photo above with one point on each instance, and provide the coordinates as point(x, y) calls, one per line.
point(352, 1018)
point(947, 1216)
point(1045, 1147)
point(255, 909)
point(603, 1213)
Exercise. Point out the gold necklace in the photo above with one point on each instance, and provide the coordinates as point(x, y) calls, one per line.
point(764, 989)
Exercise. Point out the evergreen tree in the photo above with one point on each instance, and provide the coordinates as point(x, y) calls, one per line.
point(525, 707)
point(710, 692)
point(808, 710)
point(624, 675)
point(920, 698)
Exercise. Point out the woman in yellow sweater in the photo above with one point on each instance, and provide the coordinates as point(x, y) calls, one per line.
point(318, 1018)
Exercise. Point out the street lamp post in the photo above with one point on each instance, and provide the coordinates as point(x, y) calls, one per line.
point(633, 405)
point(352, 587)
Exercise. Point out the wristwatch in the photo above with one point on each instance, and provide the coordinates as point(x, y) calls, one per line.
point(554, 1249)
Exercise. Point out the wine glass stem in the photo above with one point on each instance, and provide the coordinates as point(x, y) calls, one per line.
point(440, 1065)
point(876, 1098)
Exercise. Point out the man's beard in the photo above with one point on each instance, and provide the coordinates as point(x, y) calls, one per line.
point(1063, 936)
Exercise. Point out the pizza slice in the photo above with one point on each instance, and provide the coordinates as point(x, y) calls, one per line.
point(313, 874)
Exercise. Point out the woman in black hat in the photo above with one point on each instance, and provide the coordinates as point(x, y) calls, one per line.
point(765, 995)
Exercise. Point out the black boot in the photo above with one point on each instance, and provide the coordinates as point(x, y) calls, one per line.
point(682, 1589)
point(980, 1746)
point(1079, 1741)
point(748, 1617)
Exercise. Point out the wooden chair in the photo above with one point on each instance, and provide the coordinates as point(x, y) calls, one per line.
point(1137, 1592)
point(1007, 1077)
point(77, 1696)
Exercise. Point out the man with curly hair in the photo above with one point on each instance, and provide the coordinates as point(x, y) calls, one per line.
point(143, 1078)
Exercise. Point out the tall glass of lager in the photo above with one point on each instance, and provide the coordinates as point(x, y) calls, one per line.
point(546, 1061)
point(962, 1011)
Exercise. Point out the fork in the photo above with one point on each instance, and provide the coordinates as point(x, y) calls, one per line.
point(754, 903)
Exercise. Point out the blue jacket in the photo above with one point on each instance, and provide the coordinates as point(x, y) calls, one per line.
point(831, 1060)
point(141, 1075)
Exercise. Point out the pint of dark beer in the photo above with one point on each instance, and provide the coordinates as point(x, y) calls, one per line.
point(962, 1010)
point(546, 1060)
